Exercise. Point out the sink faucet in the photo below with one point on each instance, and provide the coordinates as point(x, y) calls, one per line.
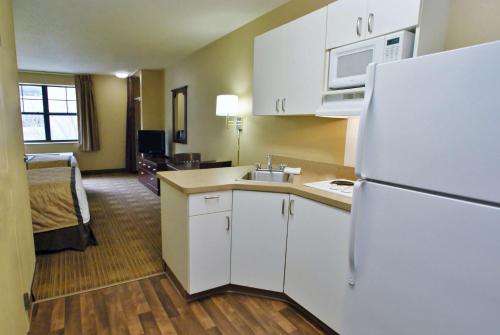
point(269, 162)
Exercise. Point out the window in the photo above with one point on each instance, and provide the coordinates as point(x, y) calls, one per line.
point(48, 113)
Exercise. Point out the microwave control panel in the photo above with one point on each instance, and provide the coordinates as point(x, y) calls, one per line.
point(394, 48)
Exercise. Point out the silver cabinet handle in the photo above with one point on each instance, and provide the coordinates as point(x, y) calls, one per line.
point(212, 197)
point(276, 106)
point(358, 26)
point(283, 207)
point(290, 208)
point(228, 223)
point(352, 236)
point(370, 22)
point(283, 109)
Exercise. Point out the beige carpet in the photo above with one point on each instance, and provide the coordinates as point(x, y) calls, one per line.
point(126, 223)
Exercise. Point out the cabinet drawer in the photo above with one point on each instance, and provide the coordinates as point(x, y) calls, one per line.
point(205, 203)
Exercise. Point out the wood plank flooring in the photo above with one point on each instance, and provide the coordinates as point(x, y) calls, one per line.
point(154, 306)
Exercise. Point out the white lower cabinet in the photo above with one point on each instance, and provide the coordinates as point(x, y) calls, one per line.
point(206, 245)
point(210, 251)
point(317, 259)
point(259, 239)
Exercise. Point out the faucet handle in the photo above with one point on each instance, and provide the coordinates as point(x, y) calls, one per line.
point(283, 166)
point(258, 166)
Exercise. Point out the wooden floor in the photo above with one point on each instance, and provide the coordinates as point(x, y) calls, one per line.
point(153, 306)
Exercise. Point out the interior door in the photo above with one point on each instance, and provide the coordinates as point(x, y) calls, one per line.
point(316, 259)
point(346, 19)
point(17, 255)
point(424, 264)
point(269, 71)
point(259, 239)
point(386, 16)
point(305, 57)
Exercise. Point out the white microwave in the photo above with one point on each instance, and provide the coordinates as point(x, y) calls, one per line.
point(348, 63)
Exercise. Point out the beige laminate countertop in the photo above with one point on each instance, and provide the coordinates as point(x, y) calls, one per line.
point(222, 179)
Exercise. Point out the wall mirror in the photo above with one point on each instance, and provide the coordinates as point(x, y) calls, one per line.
point(179, 113)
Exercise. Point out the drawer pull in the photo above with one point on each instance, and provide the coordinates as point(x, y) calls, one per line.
point(212, 197)
point(228, 223)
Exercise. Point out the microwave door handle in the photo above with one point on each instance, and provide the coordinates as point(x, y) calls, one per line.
point(370, 82)
point(358, 26)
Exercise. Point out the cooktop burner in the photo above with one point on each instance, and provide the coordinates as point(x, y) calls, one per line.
point(338, 186)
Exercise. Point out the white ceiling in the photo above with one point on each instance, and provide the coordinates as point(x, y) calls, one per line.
point(105, 36)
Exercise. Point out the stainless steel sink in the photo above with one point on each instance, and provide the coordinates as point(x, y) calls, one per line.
point(275, 176)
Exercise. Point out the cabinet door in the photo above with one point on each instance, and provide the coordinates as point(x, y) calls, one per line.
point(269, 75)
point(305, 56)
point(317, 259)
point(210, 251)
point(346, 19)
point(386, 16)
point(259, 239)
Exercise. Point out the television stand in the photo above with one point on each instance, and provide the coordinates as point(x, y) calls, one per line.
point(147, 167)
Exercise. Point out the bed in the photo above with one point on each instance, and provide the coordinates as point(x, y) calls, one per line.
point(59, 209)
point(48, 160)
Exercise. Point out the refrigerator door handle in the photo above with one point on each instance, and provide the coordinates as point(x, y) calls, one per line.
point(370, 82)
point(352, 237)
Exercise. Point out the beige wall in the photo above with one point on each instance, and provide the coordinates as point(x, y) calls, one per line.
point(17, 255)
point(111, 105)
point(225, 67)
point(153, 99)
point(473, 22)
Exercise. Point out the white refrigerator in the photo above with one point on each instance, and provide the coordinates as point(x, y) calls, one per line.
point(425, 234)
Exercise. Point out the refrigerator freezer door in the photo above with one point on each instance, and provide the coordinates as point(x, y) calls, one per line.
point(434, 123)
point(426, 264)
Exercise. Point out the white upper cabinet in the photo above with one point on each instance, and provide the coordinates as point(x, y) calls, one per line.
point(352, 20)
point(387, 16)
point(305, 63)
point(288, 67)
point(259, 239)
point(346, 22)
point(269, 74)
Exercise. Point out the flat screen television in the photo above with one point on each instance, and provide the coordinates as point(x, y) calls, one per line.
point(151, 142)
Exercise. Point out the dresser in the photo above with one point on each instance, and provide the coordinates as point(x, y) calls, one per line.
point(148, 166)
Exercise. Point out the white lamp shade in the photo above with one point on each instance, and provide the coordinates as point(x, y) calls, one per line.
point(227, 105)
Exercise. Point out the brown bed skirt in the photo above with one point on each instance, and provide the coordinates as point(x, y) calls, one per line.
point(76, 238)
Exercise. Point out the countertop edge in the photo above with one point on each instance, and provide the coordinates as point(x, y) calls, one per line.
point(256, 186)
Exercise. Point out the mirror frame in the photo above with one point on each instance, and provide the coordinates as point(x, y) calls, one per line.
point(175, 93)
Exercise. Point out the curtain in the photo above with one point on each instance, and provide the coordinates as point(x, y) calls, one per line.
point(89, 130)
point(130, 147)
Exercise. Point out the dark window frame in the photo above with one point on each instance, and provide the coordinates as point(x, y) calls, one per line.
point(46, 113)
